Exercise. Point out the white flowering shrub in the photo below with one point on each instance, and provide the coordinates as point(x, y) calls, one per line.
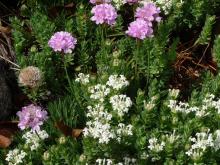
point(116, 82)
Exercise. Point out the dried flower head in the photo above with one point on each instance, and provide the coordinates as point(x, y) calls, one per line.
point(31, 116)
point(62, 42)
point(30, 76)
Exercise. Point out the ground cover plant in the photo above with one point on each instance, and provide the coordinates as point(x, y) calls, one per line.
point(116, 82)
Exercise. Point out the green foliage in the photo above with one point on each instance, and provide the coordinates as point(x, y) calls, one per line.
point(102, 51)
point(206, 32)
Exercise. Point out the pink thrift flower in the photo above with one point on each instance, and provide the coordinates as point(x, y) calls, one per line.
point(149, 12)
point(99, 1)
point(62, 41)
point(31, 116)
point(104, 13)
point(139, 29)
point(131, 1)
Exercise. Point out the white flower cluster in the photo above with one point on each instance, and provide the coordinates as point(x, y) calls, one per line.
point(127, 161)
point(155, 146)
point(100, 125)
point(165, 5)
point(211, 103)
point(117, 82)
point(98, 92)
point(201, 142)
point(82, 78)
point(15, 156)
point(121, 104)
point(217, 140)
point(201, 111)
point(33, 138)
point(104, 161)
point(123, 130)
point(118, 3)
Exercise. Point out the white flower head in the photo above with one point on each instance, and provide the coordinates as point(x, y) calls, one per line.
point(201, 142)
point(117, 82)
point(33, 138)
point(121, 104)
point(155, 146)
point(15, 156)
point(82, 78)
point(98, 92)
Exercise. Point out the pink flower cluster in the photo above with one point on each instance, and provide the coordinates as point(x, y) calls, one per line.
point(104, 13)
point(31, 116)
point(142, 26)
point(62, 42)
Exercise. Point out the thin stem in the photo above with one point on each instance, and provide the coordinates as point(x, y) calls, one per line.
point(9, 61)
point(66, 72)
point(148, 68)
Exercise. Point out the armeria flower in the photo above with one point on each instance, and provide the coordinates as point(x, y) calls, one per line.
point(32, 117)
point(131, 1)
point(104, 13)
point(139, 29)
point(62, 42)
point(120, 103)
point(99, 1)
point(30, 76)
point(149, 12)
point(33, 138)
point(117, 81)
point(15, 156)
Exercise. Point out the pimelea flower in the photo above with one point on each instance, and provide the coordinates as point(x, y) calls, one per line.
point(33, 139)
point(99, 1)
point(30, 76)
point(131, 1)
point(62, 41)
point(121, 104)
point(104, 13)
point(117, 81)
point(31, 116)
point(139, 29)
point(15, 156)
point(149, 12)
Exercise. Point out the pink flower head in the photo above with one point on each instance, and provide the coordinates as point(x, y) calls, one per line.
point(139, 29)
point(32, 117)
point(149, 12)
point(99, 1)
point(104, 13)
point(62, 41)
point(131, 1)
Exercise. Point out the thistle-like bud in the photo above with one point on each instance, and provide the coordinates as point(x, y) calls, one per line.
point(30, 76)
